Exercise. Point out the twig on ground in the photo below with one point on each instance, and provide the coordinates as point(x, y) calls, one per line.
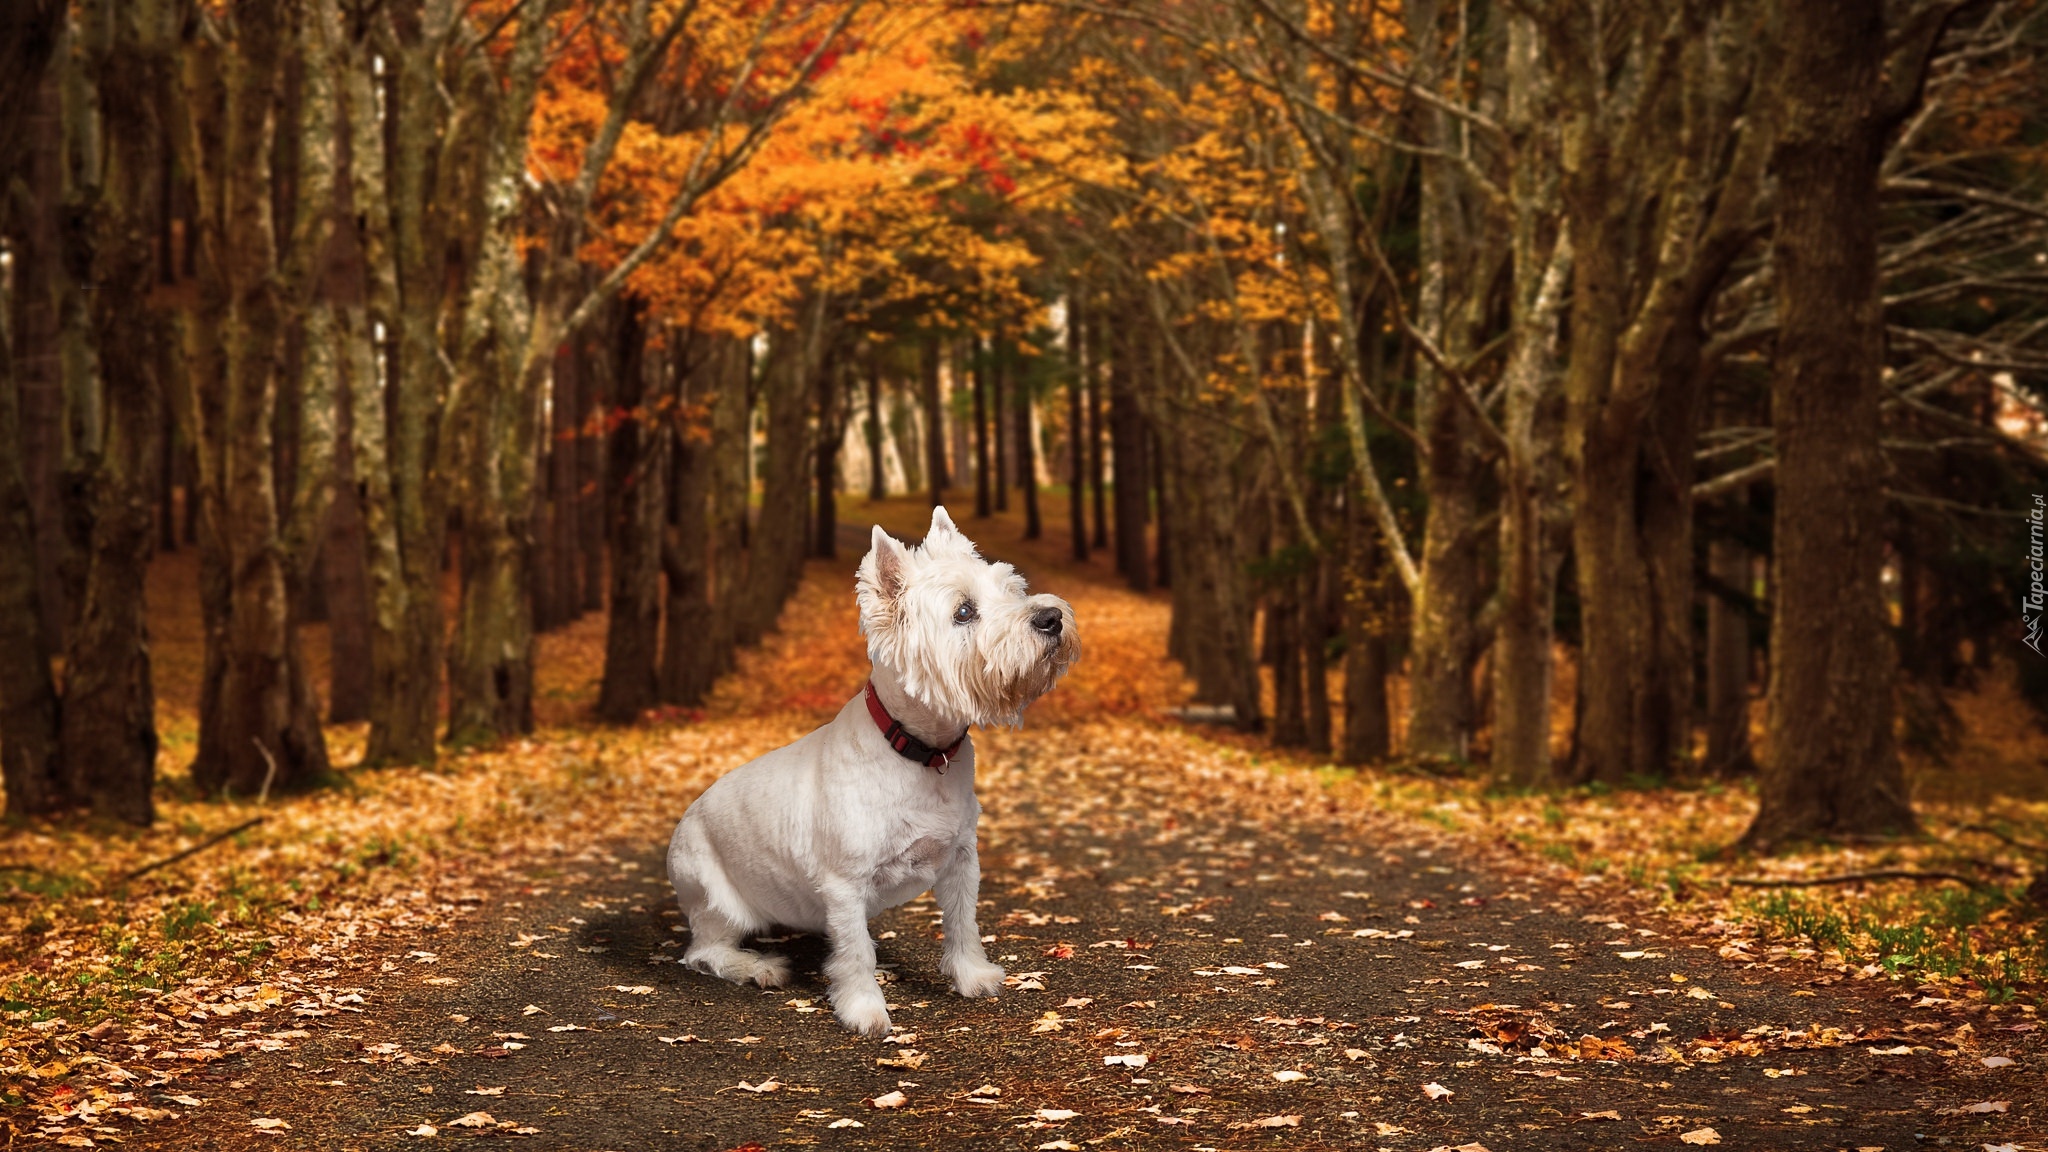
point(202, 846)
point(1851, 878)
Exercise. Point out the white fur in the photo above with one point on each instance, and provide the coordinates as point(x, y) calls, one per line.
point(823, 834)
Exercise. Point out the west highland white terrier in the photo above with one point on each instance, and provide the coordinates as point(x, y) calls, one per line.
point(878, 805)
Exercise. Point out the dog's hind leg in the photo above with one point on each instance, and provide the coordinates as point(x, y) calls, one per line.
point(714, 950)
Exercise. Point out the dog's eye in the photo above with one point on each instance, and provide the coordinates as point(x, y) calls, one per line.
point(965, 613)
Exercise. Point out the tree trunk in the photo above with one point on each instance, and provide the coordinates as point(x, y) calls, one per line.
point(30, 723)
point(1132, 470)
point(984, 505)
point(689, 661)
point(878, 488)
point(1098, 364)
point(107, 732)
point(1368, 722)
point(934, 421)
point(261, 730)
point(775, 559)
point(825, 461)
point(347, 581)
point(1000, 420)
point(1025, 458)
point(1445, 640)
point(1078, 360)
point(636, 501)
point(1834, 769)
point(30, 768)
point(731, 366)
point(1728, 660)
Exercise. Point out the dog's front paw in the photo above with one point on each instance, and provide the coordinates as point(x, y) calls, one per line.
point(771, 972)
point(867, 1016)
point(975, 979)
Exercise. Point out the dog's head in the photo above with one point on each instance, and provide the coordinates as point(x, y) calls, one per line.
point(966, 636)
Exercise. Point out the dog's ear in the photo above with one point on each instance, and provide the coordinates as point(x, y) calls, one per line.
point(880, 580)
point(943, 536)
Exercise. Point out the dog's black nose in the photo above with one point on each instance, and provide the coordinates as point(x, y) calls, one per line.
point(1046, 622)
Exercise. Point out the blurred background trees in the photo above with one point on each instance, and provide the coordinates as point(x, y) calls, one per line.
point(1567, 391)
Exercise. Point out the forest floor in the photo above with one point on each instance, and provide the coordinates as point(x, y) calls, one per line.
point(1211, 946)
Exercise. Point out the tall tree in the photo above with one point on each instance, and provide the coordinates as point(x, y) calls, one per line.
point(114, 131)
point(1849, 78)
point(29, 719)
point(258, 270)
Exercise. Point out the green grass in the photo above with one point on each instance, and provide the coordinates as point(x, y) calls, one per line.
point(1962, 934)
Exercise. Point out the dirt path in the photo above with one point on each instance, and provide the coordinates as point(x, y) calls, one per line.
point(1215, 948)
point(1204, 954)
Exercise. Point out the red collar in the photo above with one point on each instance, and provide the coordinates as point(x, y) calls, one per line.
point(906, 745)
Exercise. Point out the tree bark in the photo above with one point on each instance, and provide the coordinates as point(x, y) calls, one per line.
point(30, 765)
point(107, 731)
point(1833, 769)
point(1132, 470)
point(636, 499)
point(260, 727)
point(775, 559)
point(1728, 659)
point(1000, 420)
point(825, 460)
point(347, 581)
point(690, 663)
point(878, 487)
point(1025, 458)
point(984, 505)
point(1078, 362)
point(1368, 622)
point(934, 420)
point(30, 723)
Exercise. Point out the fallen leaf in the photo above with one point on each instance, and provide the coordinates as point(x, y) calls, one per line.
point(847, 1122)
point(267, 1124)
point(474, 1120)
point(1058, 1146)
point(1132, 1060)
point(1289, 1076)
point(1610, 1114)
point(1436, 1091)
point(1055, 1115)
point(484, 1092)
point(634, 989)
point(568, 1028)
point(423, 1130)
point(1188, 1090)
point(532, 1010)
point(1385, 1129)
point(1700, 1136)
point(1996, 1061)
point(888, 1100)
point(769, 1085)
point(1988, 1106)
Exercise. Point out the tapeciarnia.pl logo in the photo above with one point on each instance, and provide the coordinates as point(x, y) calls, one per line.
point(2036, 602)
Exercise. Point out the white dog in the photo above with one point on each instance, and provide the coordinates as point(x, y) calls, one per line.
point(878, 805)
